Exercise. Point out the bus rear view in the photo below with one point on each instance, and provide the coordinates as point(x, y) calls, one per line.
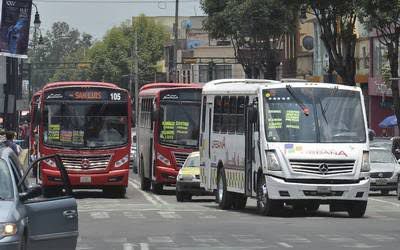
point(88, 124)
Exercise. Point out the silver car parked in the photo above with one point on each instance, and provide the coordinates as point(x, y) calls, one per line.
point(27, 219)
point(385, 170)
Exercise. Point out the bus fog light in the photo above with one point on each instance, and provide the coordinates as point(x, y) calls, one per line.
point(273, 162)
point(122, 161)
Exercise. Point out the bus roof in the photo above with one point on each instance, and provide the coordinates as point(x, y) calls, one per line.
point(154, 88)
point(252, 86)
point(80, 83)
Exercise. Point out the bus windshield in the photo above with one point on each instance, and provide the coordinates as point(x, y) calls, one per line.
point(85, 124)
point(312, 115)
point(179, 124)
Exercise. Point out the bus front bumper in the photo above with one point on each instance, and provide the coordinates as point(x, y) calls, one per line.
point(279, 189)
point(166, 175)
point(83, 180)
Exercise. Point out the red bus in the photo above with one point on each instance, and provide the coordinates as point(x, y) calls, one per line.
point(89, 125)
point(167, 131)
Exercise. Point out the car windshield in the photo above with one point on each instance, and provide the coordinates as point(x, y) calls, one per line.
point(192, 161)
point(381, 156)
point(85, 125)
point(179, 124)
point(313, 115)
point(6, 187)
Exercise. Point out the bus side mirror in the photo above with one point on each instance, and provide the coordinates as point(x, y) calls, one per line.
point(155, 115)
point(253, 115)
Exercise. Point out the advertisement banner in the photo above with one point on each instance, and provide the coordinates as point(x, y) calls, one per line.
point(14, 27)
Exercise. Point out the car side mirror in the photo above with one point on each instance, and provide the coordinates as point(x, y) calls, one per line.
point(32, 192)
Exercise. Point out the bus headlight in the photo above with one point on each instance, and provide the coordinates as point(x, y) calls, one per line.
point(273, 162)
point(365, 162)
point(51, 163)
point(163, 159)
point(122, 161)
point(8, 229)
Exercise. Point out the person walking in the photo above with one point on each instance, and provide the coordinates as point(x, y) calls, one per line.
point(9, 142)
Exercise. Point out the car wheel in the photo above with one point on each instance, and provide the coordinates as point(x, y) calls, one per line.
point(356, 209)
point(239, 201)
point(385, 192)
point(179, 196)
point(144, 182)
point(265, 205)
point(224, 198)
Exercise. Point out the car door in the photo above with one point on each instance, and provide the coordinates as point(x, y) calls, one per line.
point(52, 222)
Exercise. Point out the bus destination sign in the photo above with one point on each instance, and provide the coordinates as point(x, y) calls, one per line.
point(86, 95)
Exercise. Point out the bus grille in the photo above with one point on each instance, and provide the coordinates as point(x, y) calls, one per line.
point(180, 158)
point(323, 167)
point(98, 162)
point(381, 174)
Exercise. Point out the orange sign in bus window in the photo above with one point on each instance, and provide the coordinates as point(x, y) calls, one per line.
point(89, 95)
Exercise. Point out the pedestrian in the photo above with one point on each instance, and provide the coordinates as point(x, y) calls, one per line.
point(9, 142)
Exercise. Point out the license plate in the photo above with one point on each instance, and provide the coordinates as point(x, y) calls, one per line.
point(381, 181)
point(323, 190)
point(86, 179)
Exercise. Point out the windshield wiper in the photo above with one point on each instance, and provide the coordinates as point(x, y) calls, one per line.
point(299, 102)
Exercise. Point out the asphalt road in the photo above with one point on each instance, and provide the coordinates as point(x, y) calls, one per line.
point(146, 221)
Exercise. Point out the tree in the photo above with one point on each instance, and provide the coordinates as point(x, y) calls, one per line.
point(113, 57)
point(337, 19)
point(61, 48)
point(256, 29)
point(383, 16)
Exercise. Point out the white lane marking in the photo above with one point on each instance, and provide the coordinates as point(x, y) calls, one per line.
point(293, 238)
point(144, 246)
point(99, 215)
point(387, 202)
point(146, 195)
point(336, 238)
point(152, 195)
point(169, 215)
point(204, 238)
point(133, 215)
point(128, 246)
point(284, 244)
point(360, 245)
point(379, 237)
point(160, 239)
point(116, 240)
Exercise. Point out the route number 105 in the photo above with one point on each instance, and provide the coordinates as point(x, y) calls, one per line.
point(115, 96)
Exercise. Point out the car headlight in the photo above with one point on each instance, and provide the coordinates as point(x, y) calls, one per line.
point(365, 162)
point(273, 162)
point(179, 177)
point(8, 229)
point(122, 161)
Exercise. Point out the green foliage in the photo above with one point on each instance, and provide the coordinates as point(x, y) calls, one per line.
point(256, 28)
point(337, 20)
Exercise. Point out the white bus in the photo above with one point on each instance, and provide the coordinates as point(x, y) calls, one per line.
point(285, 142)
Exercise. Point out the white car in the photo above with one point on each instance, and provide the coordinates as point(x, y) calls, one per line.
point(385, 171)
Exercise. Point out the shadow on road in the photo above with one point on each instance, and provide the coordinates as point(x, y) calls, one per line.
point(87, 194)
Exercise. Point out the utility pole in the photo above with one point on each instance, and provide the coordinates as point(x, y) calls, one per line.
point(176, 41)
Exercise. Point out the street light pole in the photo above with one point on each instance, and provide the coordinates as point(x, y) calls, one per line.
point(176, 41)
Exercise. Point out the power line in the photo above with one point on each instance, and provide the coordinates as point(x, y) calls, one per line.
point(113, 2)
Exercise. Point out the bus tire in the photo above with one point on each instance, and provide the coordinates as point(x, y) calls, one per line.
point(156, 188)
point(239, 201)
point(265, 205)
point(398, 188)
point(144, 182)
point(356, 209)
point(223, 197)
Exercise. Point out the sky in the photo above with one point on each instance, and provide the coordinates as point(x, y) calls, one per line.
point(96, 17)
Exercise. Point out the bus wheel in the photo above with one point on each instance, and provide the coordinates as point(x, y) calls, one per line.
point(266, 206)
point(144, 182)
point(156, 188)
point(356, 209)
point(398, 188)
point(224, 197)
point(239, 201)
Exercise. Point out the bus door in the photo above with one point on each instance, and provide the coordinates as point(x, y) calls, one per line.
point(250, 119)
point(206, 141)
